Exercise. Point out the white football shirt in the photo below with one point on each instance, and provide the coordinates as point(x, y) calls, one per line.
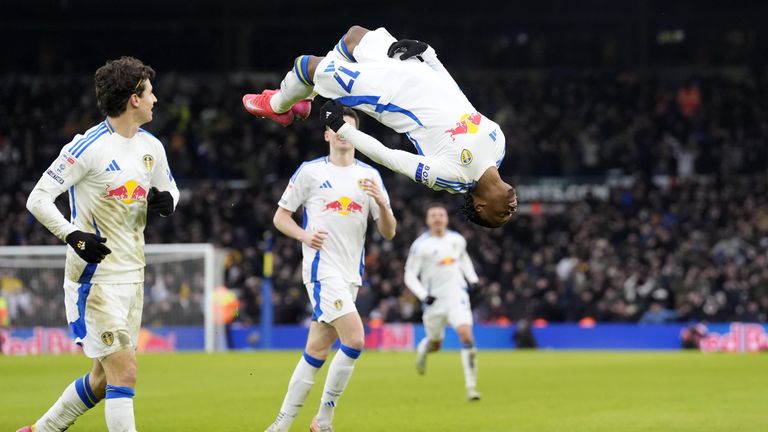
point(333, 200)
point(108, 178)
point(438, 266)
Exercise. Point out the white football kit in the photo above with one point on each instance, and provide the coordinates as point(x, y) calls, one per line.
point(455, 143)
point(440, 267)
point(108, 178)
point(333, 200)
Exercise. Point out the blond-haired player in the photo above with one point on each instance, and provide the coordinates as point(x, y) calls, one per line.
point(437, 271)
point(338, 194)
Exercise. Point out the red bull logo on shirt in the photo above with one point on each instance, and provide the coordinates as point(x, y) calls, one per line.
point(344, 206)
point(468, 124)
point(128, 193)
point(446, 261)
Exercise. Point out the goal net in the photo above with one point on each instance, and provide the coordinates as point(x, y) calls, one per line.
point(178, 298)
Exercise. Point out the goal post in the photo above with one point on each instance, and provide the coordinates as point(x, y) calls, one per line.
point(180, 281)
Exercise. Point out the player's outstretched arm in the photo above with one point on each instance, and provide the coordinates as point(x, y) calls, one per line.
point(399, 161)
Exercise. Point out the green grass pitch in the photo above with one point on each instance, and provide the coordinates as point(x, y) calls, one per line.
point(522, 391)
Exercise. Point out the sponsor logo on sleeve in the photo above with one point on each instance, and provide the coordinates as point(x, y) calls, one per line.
point(69, 159)
point(55, 176)
point(422, 173)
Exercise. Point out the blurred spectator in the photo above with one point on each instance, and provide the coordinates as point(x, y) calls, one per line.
point(523, 336)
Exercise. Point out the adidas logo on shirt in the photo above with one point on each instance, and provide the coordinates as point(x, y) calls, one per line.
point(326, 185)
point(113, 166)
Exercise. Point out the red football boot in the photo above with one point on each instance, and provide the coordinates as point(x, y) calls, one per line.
point(301, 109)
point(258, 105)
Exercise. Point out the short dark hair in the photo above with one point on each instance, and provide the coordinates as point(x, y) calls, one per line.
point(471, 214)
point(352, 113)
point(435, 204)
point(117, 80)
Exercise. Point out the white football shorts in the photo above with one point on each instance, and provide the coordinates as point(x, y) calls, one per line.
point(105, 318)
point(454, 311)
point(331, 298)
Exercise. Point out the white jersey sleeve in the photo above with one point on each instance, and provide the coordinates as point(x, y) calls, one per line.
point(63, 173)
point(465, 263)
point(162, 178)
point(296, 193)
point(413, 268)
point(419, 168)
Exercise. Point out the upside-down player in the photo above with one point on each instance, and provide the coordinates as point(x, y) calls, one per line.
point(403, 85)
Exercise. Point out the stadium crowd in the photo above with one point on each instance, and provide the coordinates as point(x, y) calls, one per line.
point(691, 248)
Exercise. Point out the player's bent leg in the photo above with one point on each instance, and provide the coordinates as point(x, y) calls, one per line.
point(350, 41)
point(468, 360)
point(352, 335)
point(292, 100)
point(464, 333)
point(80, 396)
point(351, 331)
point(424, 347)
point(98, 380)
point(321, 337)
point(120, 369)
point(296, 88)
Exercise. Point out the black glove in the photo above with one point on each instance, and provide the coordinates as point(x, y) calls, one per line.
point(409, 48)
point(332, 114)
point(428, 300)
point(159, 202)
point(90, 247)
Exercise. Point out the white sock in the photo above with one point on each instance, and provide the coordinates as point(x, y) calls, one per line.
point(469, 362)
point(74, 402)
point(293, 88)
point(119, 409)
point(421, 348)
point(338, 376)
point(301, 383)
